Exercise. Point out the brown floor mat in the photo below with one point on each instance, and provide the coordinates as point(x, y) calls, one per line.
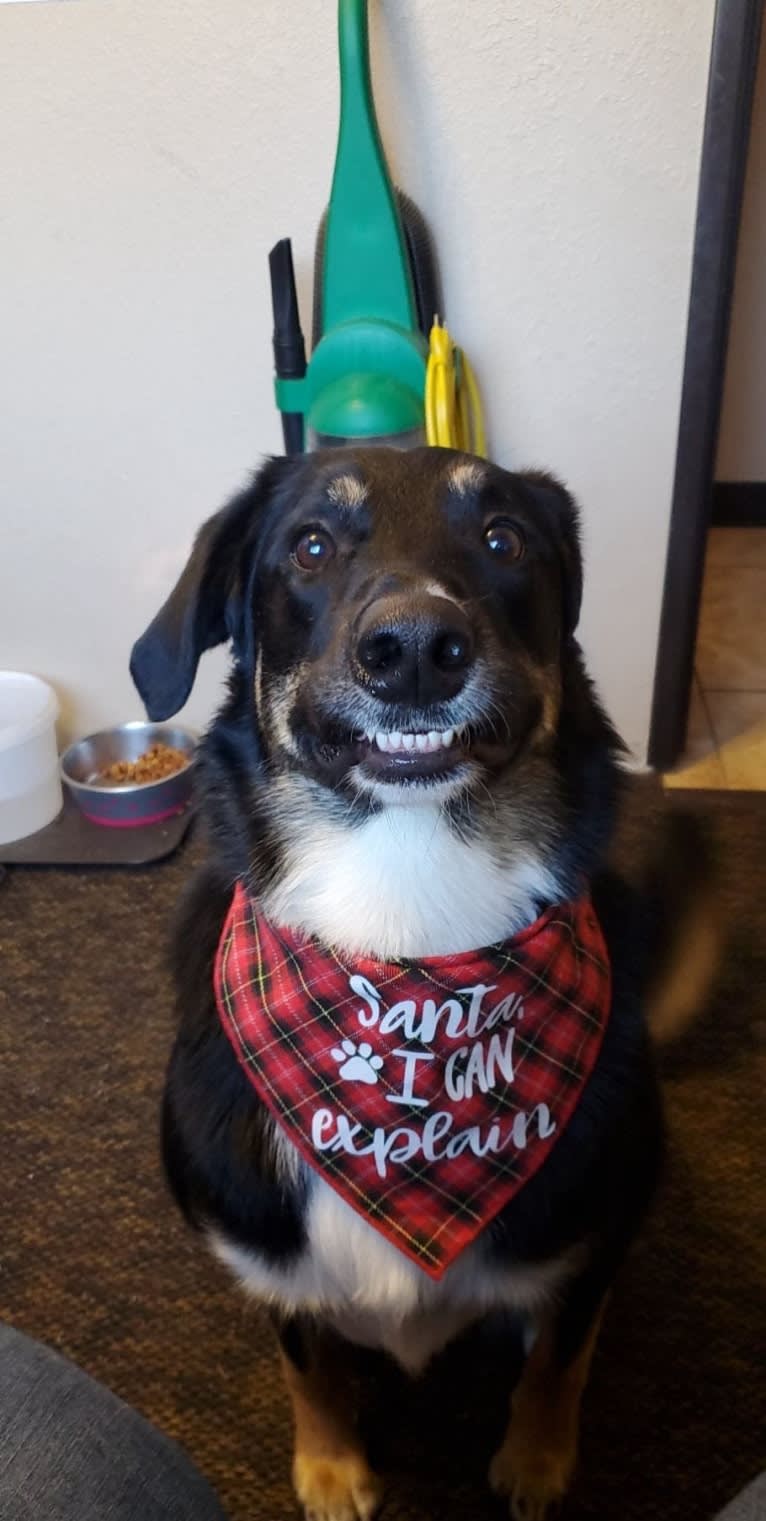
point(94, 1260)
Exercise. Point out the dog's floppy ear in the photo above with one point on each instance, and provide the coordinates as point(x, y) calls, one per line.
point(561, 511)
point(206, 604)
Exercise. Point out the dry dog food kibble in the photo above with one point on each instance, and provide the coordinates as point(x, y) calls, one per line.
point(152, 766)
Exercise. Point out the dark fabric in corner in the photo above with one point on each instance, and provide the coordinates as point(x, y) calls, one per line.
point(71, 1451)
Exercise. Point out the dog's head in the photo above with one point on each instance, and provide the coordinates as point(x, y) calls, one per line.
point(397, 619)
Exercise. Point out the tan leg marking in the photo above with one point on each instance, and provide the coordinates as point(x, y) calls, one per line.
point(331, 1475)
point(535, 1463)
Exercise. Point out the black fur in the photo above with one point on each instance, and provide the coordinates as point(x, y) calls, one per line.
point(214, 1136)
point(599, 1178)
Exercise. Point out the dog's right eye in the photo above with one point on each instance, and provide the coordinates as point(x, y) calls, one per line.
point(504, 539)
point(313, 548)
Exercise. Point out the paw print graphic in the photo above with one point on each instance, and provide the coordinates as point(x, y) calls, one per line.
point(359, 1064)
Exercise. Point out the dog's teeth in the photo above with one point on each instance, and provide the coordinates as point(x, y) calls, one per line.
point(423, 742)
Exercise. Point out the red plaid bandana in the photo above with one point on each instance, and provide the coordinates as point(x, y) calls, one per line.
point(427, 1092)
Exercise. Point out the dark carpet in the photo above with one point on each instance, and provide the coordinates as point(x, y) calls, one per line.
point(94, 1260)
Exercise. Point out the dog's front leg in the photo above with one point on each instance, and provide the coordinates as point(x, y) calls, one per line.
point(331, 1475)
point(536, 1461)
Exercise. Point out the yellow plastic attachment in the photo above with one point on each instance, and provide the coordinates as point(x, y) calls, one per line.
point(454, 416)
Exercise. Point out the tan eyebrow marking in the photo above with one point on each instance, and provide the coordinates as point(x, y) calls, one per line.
point(467, 475)
point(347, 491)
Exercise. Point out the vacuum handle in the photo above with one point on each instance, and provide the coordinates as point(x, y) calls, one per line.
point(287, 342)
point(365, 267)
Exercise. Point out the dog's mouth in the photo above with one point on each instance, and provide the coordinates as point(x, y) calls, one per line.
point(401, 755)
point(407, 755)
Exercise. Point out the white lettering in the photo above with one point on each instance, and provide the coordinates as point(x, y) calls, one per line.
point(510, 1007)
point(454, 1081)
point(500, 1054)
point(423, 1024)
point(333, 1132)
point(474, 1072)
point(477, 996)
point(346, 1136)
point(456, 1020)
point(481, 1070)
point(408, 1145)
point(365, 989)
point(522, 1122)
point(407, 1095)
point(458, 1144)
point(493, 1141)
point(436, 1126)
point(429, 1022)
point(321, 1122)
point(399, 1145)
point(400, 1016)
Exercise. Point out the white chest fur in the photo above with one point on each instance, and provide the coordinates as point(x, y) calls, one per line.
point(402, 884)
point(355, 1278)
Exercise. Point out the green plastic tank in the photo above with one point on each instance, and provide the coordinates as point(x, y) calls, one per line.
point(375, 286)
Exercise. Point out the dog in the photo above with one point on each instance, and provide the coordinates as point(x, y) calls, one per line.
point(410, 764)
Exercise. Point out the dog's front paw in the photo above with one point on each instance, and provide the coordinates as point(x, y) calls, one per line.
point(532, 1477)
point(336, 1489)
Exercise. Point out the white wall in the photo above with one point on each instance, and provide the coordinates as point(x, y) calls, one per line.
point(150, 153)
point(742, 440)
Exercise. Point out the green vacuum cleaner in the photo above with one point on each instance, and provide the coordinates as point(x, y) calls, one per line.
point(375, 289)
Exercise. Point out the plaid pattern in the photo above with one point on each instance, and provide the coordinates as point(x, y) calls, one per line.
point(425, 1092)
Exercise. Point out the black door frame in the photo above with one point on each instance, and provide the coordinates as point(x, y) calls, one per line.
point(733, 62)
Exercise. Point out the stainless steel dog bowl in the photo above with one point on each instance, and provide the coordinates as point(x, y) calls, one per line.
point(130, 803)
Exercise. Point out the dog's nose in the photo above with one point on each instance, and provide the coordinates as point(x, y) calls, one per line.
point(418, 650)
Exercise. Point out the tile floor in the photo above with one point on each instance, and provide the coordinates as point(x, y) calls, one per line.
point(726, 739)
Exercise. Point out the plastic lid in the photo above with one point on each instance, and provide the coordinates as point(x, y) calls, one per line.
point(28, 706)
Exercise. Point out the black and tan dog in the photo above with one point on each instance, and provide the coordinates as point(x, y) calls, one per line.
point(410, 764)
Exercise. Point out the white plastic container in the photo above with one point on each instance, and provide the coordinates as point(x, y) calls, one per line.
point(30, 787)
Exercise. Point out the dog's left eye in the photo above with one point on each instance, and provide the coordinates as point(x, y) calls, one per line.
point(313, 548)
